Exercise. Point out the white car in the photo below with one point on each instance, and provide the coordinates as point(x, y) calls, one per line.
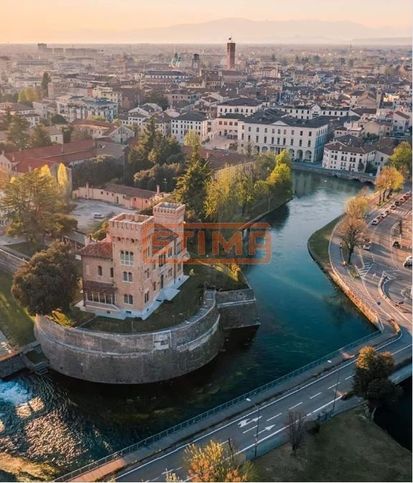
point(98, 216)
point(366, 246)
point(408, 262)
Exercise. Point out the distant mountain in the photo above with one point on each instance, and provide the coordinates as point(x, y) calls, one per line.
point(271, 31)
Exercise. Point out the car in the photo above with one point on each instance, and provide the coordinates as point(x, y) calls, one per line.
point(393, 207)
point(98, 216)
point(375, 221)
point(387, 212)
point(397, 202)
point(366, 246)
point(408, 262)
point(396, 244)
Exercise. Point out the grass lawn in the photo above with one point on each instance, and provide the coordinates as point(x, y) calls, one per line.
point(319, 240)
point(15, 323)
point(347, 448)
point(184, 305)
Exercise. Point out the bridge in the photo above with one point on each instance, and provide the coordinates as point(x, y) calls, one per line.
point(317, 168)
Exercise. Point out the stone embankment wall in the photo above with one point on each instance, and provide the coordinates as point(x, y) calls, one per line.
point(141, 357)
point(237, 308)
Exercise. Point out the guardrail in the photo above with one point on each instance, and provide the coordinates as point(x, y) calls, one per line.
point(189, 422)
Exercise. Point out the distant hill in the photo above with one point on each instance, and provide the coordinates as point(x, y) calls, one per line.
point(271, 31)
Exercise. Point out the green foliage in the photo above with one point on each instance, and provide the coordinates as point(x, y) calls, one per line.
point(152, 149)
point(96, 172)
point(191, 187)
point(45, 83)
point(17, 132)
point(48, 282)
point(100, 233)
point(62, 225)
point(401, 159)
point(29, 94)
point(165, 176)
point(29, 204)
point(39, 137)
point(58, 119)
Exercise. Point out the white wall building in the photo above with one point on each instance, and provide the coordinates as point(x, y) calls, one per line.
point(241, 105)
point(76, 107)
point(272, 130)
point(190, 121)
point(310, 112)
point(348, 153)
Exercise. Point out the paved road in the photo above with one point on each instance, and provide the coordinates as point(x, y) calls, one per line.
point(267, 424)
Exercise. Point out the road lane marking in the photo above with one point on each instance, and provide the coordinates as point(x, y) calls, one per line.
point(315, 395)
point(250, 429)
point(267, 428)
point(273, 417)
point(348, 377)
point(334, 385)
point(170, 471)
point(247, 421)
point(293, 407)
point(381, 346)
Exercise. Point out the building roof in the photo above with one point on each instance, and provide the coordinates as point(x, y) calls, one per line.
point(129, 191)
point(191, 116)
point(241, 101)
point(101, 249)
point(271, 116)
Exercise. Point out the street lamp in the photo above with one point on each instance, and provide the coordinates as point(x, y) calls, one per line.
point(335, 387)
point(257, 410)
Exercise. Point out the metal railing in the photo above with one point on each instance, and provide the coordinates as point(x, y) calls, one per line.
point(240, 399)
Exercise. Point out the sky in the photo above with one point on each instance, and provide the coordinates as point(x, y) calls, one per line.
point(77, 21)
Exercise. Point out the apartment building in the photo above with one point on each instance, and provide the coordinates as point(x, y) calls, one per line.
point(189, 121)
point(310, 112)
point(77, 107)
point(273, 130)
point(137, 266)
point(348, 153)
point(240, 105)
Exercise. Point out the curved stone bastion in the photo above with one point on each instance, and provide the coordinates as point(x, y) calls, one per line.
point(138, 358)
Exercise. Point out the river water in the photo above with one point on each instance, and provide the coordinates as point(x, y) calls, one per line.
point(69, 423)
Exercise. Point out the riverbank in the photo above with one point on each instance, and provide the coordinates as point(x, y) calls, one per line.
point(347, 448)
point(318, 244)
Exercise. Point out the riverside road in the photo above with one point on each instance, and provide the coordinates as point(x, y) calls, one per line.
point(265, 424)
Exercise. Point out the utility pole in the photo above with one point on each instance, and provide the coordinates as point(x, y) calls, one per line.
point(257, 411)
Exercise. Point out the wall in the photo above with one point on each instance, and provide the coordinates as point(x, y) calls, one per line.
point(9, 262)
point(146, 357)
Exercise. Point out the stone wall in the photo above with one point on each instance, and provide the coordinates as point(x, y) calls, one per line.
point(146, 357)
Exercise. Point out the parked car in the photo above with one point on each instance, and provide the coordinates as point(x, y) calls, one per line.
point(408, 262)
point(98, 216)
point(396, 244)
point(375, 221)
point(393, 207)
point(367, 246)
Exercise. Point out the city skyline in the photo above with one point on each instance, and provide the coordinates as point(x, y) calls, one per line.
point(96, 21)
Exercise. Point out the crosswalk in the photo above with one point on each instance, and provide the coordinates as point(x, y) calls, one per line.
point(365, 270)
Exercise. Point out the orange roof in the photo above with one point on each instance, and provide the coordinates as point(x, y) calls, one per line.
point(101, 249)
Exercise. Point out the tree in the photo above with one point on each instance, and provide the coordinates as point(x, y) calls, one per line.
point(401, 159)
point(371, 377)
point(389, 180)
point(40, 137)
point(63, 181)
point(17, 132)
point(296, 429)
point(96, 172)
point(191, 187)
point(357, 206)
point(352, 230)
point(28, 95)
point(48, 281)
point(45, 83)
point(58, 119)
point(62, 225)
point(215, 462)
point(29, 203)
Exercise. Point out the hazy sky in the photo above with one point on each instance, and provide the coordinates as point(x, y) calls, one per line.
point(100, 20)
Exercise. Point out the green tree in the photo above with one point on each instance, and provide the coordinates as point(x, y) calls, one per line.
point(401, 159)
point(18, 132)
point(352, 233)
point(62, 225)
point(192, 185)
point(96, 172)
point(40, 137)
point(371, 377)
point(29, 204)
point(45, 83)
point(48, 281)
point(28, 95)
point(58, 119)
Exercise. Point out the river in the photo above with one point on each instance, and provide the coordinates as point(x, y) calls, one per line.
point(68, 423)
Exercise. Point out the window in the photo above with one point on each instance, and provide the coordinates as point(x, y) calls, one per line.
point(111, 272)
point(100, 271)
point(127, 276)
point(154, 286)
point(146, 297)
point(162, 259)
point(128, 299)
point(126, 257)
point(147, 273)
